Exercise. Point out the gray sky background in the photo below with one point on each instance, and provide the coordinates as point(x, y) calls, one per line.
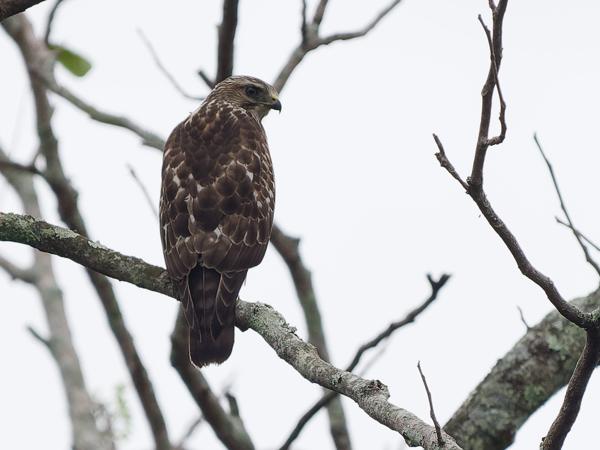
point(356, 179)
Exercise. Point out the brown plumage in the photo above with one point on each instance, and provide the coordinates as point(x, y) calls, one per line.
point(216, 208)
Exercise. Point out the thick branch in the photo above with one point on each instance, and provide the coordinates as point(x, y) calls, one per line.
point(436, 286)
point(531, 372)
point(371, 396)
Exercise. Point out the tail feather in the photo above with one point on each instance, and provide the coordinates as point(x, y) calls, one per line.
point(212, 296)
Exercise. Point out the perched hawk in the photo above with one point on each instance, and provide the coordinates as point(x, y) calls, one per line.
point(216, 208)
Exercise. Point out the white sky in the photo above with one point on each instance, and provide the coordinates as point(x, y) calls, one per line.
point(356, 179)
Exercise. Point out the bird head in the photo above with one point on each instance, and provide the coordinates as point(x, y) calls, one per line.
point(249, 93)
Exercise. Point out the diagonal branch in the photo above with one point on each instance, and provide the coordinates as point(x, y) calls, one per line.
point(436, 286)
point(474, 187)
point(579, 233)
point(569, 410)
point(370, 395)
point(588, 321)
point(563, 206)
point(287, 247)
point(310, 40)
point(164, 70)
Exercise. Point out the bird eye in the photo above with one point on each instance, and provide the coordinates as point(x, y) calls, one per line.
point(251, 91)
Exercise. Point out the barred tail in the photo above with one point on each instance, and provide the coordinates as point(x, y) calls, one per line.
point(213, 297)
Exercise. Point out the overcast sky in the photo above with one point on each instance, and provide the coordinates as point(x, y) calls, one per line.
point(356, 180)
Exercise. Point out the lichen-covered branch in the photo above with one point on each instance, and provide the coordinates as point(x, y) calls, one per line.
point(287, 247)
point(537, 366)
point(436, 286)
point(370, 395)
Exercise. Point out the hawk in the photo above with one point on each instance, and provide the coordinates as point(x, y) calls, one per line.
point(216, 208)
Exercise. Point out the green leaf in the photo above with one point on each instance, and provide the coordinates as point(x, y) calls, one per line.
point(73, 62)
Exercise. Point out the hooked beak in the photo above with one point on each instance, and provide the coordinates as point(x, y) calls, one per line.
point(276, 105)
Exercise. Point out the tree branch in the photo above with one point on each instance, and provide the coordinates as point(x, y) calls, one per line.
point(438, 430)
point(586, 364)
point(228, 428)
point(474, 187)
point(287, 247)
point(531, 372)
point(371, 396)
point(310, 40)
point(85, 431)
point(579, 233)
point(563, 206)
point(226, 40)
point(50, 20)
point(164, 70)
point(587, 321)
point(436, 286)
point(35, 51)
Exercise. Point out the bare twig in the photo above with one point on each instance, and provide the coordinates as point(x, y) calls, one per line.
point(579, 233)
point(164, 70)
point(209, 82)
point(563, 206)
point(436, 286)
point(446, 164)
point(191, 429)
point(148, 138)
point(319, 12)
point(363, 32)
point(139, 183)
point(7, 164)
point(38, 337)
point(502, 117)
point(522, 317)
point(438, 430)
point(16, 272)
point(310, 40)
point(50, 21)
point(487, 93)
point(575, 390)
point(371, 396)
